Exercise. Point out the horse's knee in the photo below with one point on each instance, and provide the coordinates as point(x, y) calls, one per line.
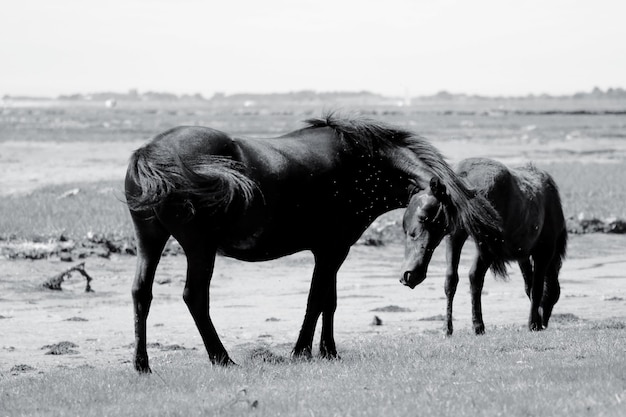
point(189, 297)
point(142, 298)
point(452, 280)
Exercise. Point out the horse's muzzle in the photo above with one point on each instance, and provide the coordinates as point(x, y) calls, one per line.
point(411, 279)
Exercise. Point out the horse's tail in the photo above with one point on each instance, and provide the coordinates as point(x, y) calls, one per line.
point(156, 176)
point(471, 210)
point(561, 242)
point(561, 249)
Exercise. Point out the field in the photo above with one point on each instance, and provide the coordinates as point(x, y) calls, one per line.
point(61, 170)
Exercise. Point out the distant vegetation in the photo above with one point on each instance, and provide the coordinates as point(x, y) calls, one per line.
point(311, 96)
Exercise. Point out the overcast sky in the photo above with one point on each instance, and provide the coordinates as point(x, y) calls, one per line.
point(393, 47)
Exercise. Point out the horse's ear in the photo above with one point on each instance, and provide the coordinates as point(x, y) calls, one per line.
point(438, 189)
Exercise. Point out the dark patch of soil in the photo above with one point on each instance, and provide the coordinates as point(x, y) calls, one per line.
point(438, 317)
point(565, 318)
point(21, 368)
point(265, 355)
point(162, 347)
point(76, 319)
point(61, 348)
point(392, 309)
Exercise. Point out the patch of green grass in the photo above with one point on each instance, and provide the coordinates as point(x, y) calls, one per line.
point(576, 369)
point(52, 211)
point(595, 189)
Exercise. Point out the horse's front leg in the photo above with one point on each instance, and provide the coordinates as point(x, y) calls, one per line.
point(477, 279)
point(453, 254)
point(151, 239)
point(200, 265)
point(527, 272)
point(541, 262)
point(551, 290)
point(322, 299)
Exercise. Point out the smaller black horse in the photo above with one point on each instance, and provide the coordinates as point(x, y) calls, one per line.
point(528, 202)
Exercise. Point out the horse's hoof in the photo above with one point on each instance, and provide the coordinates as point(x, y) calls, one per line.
point(330, 356)
point(144, 370)
point(224, 362)
point(535, 327)
point(141, 366)
point(328, 351)
point(479, 329)
point(304, 354)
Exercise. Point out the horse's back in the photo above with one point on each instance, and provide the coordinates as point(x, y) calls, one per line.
point(485, 175)
point(190, 141)
point(295, 183)
point(526, 198)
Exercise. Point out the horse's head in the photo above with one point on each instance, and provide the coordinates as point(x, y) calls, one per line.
point(425, 223)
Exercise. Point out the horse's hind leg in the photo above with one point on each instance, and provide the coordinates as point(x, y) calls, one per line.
point(200, 264)
point(151, 239)
point(453, 254)
point(551, 291)
point(322, 299)
point(527, 272)
point(477, 279)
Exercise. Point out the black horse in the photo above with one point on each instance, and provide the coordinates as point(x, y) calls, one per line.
point(314, 189)
point(528, 201)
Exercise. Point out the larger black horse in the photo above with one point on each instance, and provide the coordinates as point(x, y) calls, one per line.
point(314, 189)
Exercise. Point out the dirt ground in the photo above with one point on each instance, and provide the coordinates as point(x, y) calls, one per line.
point(262, 304)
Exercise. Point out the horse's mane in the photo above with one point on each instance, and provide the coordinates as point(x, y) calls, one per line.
point(368, 134)
point(416, 157)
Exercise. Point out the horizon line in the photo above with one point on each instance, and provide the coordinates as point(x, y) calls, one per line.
point(135, 92)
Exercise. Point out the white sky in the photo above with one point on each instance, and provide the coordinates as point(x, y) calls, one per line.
point(393, 47)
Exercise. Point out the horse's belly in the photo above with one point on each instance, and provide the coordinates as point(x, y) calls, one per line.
point(522, 243)
point(257, 254)
point(260, 247)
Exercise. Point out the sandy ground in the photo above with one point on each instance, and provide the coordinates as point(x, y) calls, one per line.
point(262, 304)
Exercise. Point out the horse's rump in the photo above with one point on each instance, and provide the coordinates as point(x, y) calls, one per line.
point(157, 174)
point(525, 197)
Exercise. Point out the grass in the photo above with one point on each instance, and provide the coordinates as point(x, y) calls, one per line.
point(45, 213)
point(573, 369)
point(595, 189)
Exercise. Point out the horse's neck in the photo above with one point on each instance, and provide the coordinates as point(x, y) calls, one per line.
point(375, 191)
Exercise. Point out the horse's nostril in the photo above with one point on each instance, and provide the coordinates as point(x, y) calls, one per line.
point(406, 277)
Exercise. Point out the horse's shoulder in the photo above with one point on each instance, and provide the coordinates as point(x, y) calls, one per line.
point(533, 178)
